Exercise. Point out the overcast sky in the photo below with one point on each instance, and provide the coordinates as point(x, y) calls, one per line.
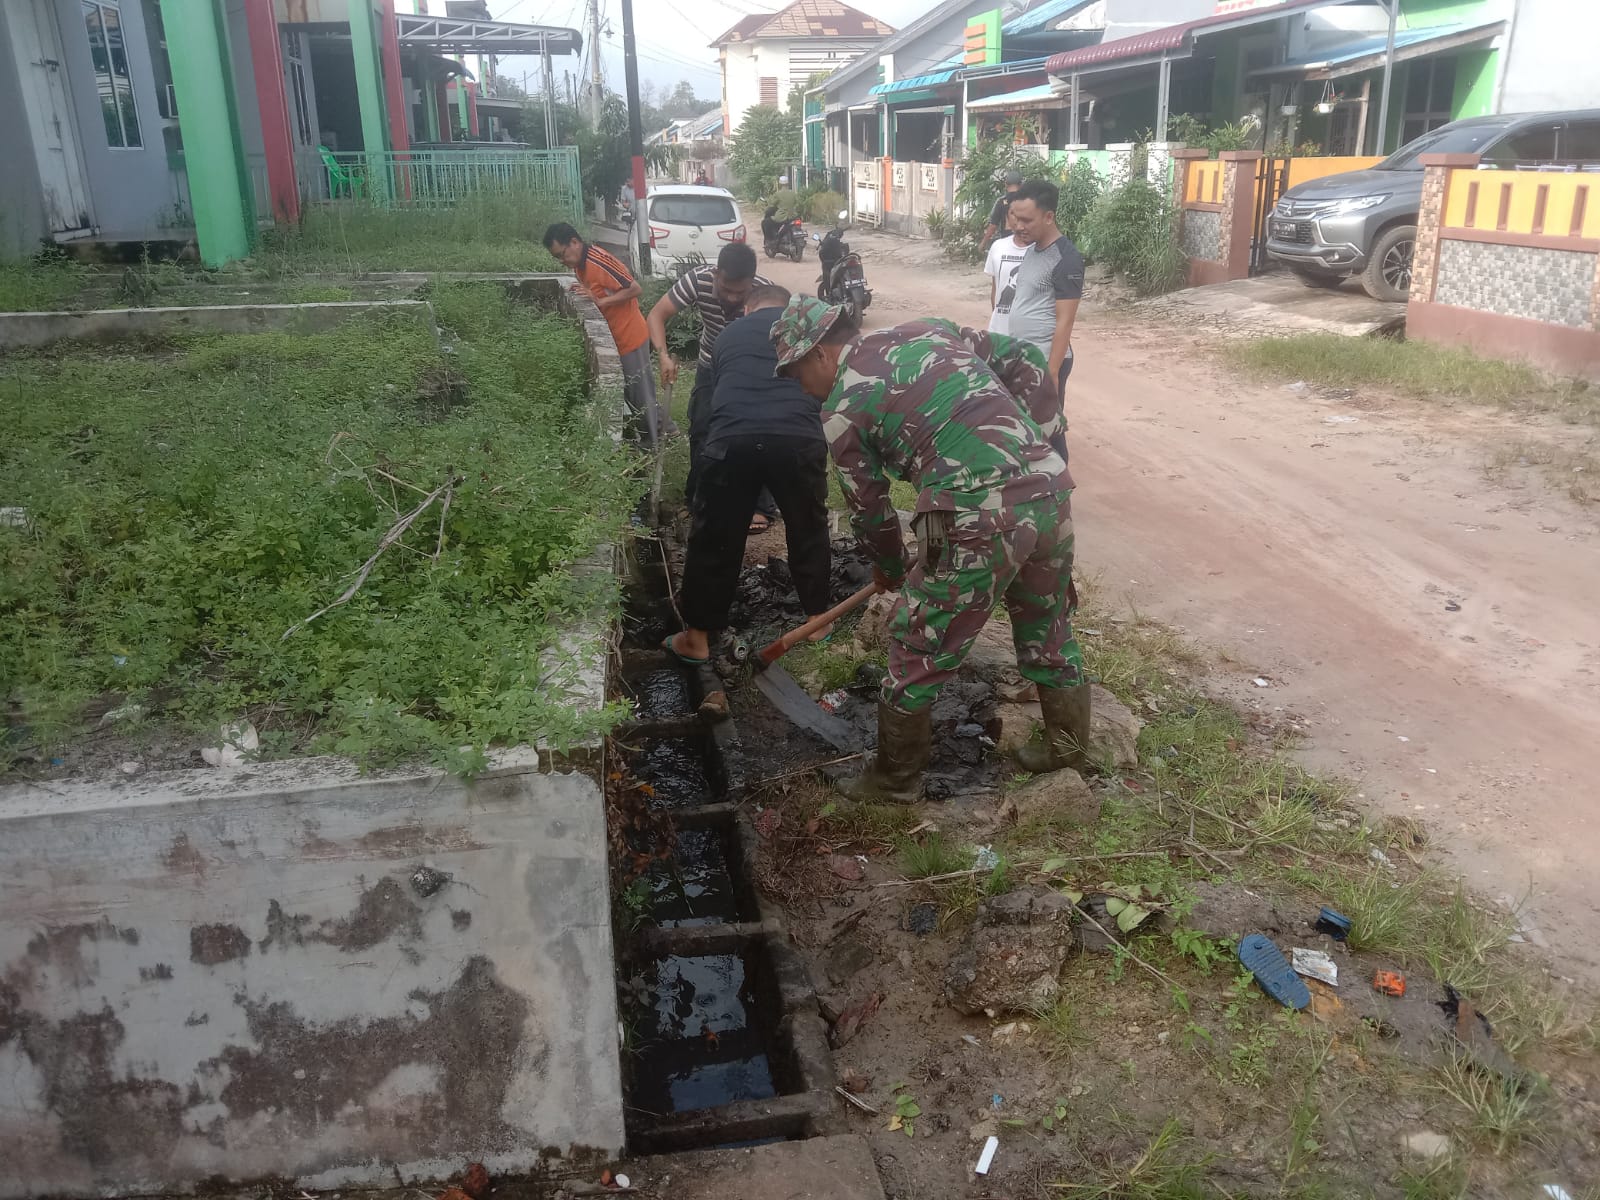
point(674, 35)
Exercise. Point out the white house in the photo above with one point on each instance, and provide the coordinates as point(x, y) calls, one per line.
point(766, 54)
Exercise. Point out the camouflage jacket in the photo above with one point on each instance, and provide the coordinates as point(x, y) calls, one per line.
point(962, 414)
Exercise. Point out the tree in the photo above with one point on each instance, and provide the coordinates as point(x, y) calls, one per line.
point(503, 88)
point(683, 102)
point(604, 151)
point(767, 143)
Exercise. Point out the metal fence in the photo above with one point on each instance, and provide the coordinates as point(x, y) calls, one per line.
point(443, 178)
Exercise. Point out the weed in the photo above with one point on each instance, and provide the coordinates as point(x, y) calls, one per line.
point(1384, 913)
point(931, 856)
point(1445, 1179)
point(1165, 1170)
point(39, 287)
point(1133, 230)
point(829, 666)
point(1501, 1112)
point(906, 1111)
point(1200, 948)
point(1061, 1029)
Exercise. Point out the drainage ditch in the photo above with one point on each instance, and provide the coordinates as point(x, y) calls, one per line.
point(723, 1041)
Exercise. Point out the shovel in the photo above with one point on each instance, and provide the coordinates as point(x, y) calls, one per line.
point(788, 697)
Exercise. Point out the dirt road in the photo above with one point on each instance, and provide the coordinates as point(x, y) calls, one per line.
point(1438, 634)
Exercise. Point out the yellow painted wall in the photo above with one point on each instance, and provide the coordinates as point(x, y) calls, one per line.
point(1561, 198)
point(1204, 183)
point(1303, 170)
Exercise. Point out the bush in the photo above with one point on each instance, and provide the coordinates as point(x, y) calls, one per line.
point(824, 207)
point(1133, 230)
point(1080, 192)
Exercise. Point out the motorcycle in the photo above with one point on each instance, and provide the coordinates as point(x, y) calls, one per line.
point(783, 237)
point(843, 280)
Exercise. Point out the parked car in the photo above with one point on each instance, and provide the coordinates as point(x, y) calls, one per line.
point(689, 223)
point(1364, 223)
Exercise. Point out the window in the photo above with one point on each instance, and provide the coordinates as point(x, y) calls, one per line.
point(109, 54)
point(693, 210)
point(769, 90)
point(1581, 144)
point(1430, 96)
point(294, 69)
point(1536, 144)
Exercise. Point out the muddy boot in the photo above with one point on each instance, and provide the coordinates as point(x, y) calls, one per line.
point(895, 776)
point(1066, 732)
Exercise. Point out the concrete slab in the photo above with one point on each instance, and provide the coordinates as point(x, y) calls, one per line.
point(826, 1168)
point(292, 971)
point(1276, 305)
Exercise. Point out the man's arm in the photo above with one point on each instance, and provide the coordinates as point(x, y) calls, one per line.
point(864, 484)
point(632, 292)
point(1067, 280)
point(661, 312)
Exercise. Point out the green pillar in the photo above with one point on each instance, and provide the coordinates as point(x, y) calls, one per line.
point(213, 155)
point(367, 49)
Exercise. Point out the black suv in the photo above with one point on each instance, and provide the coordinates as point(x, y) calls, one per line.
point(1365, 222)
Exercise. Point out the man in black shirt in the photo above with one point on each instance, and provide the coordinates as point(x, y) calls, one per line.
point(760, 429)
point(997, 214)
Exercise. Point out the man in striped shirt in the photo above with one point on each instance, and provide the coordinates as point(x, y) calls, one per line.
point(718, 293)
point(603, 278)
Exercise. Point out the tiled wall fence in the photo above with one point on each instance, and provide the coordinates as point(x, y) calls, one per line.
point(1216, 199)
point(1508, 263)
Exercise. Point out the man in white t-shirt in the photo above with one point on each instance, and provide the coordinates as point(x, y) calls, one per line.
point(1005, 256)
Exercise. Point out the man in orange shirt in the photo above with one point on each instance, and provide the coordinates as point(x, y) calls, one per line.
point(603, 278)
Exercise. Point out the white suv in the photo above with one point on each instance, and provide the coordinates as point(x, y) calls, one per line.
point(689, 224)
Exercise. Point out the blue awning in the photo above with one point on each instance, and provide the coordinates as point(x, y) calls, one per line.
point(1038, 19)
point(1039, 96)
point(1352, 57)
point(943, 73)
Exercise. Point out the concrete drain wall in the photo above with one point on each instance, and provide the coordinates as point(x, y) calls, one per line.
point(725, 1041)
point(290, 971)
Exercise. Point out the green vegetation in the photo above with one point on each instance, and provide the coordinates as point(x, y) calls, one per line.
point(485, 232)
point(1419, 369)
point(190, 504)
point(1133, 229)
point(767, 142)
point(39, 286)
point(824, 207)
point(932, 855)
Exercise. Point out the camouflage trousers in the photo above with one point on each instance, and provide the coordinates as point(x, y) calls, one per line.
point(1022, 556)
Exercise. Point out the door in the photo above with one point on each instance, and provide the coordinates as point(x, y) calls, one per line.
point(41, 66)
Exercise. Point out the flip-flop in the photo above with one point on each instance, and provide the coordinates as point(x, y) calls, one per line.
point(1266, 962)
point(762, 528)
point(686, 660)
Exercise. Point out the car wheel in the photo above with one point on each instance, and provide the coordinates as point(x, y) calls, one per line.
point(1388, 273)
point(1316, 279)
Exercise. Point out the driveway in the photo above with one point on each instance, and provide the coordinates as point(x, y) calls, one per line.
point(1275, 305)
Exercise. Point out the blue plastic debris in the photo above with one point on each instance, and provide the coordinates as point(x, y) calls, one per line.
point(1273, 972)
point(1335, 924)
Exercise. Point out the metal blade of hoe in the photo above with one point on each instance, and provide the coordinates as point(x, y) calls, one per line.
point(789, 698)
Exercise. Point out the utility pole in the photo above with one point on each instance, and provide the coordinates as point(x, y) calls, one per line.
point(630, 68)
point(597, 90)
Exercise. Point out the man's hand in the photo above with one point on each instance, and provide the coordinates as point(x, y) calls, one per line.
point(885, 583)
point(578, 289)
point(669, 370)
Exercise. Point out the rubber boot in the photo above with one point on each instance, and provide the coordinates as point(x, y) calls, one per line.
point(1066, 732)
point(905, 741)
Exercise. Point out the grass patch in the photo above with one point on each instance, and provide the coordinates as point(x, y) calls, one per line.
point(1418, 369)
point(932, 855)
point(498, 232)
point(1500, 1112)
point(1169, 1168)
point(39, 287)
point(189, 503)
point(1573, 469)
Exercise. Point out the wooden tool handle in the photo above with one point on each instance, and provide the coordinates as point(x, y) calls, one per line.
point(772, 653)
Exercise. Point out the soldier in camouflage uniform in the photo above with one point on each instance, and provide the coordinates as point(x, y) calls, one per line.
point(964, 415)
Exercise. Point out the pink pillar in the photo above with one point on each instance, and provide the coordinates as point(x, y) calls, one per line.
point(472, 110)
point(272, 101)
point(394, 81)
